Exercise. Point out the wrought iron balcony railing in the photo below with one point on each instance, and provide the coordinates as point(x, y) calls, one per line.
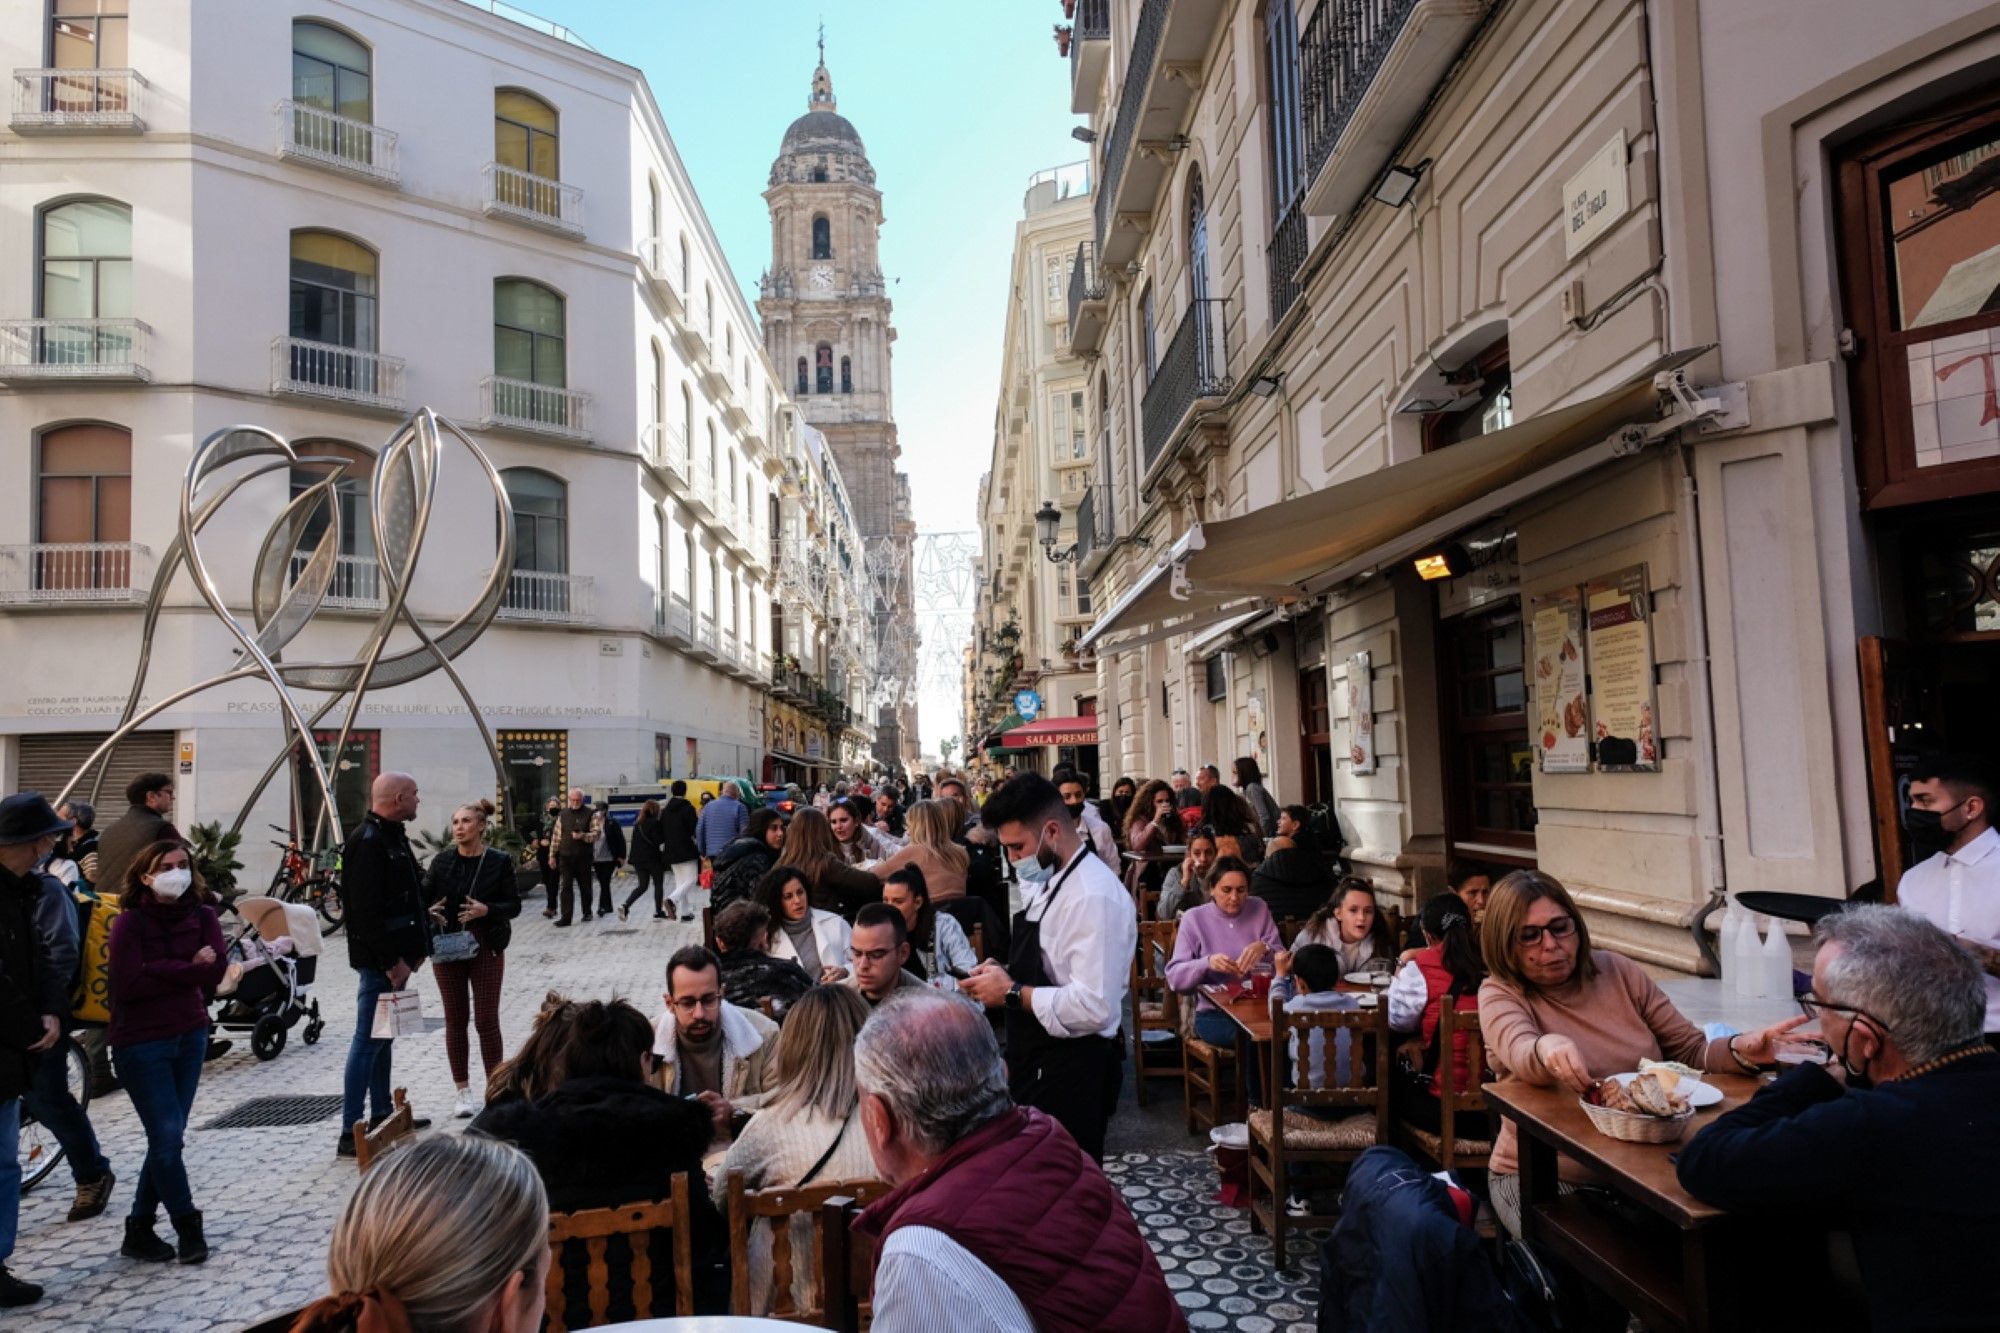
point(1089, 52)
point(1339, 54)
point(556, 599)
point(1086, 301)
point(1095, 528)
point(67, 101)
point(73, 349)
point(662, 271)
point(75, 573)
point(346, 374)
point(535, 200)
point(1131, 102)
point(356, 584)
point(673, 619)
point(1195, 366)
point(666, 452)
point(546, 409)
point(1287, 256)
point(339, 143)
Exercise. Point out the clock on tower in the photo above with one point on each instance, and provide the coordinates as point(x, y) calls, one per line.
point(822, 278)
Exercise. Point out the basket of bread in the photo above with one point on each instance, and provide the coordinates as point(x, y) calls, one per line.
point(1646, 1109)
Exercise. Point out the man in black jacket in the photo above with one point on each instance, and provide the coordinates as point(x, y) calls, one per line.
point(34, 995)
point(677, 819)
point(1894, 1138)
point(147, 820)
point(386, 940)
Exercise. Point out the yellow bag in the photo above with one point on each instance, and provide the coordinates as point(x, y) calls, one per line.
point(90, 999)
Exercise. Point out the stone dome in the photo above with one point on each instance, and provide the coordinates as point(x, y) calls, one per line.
point(822, 130)
point(822, 146)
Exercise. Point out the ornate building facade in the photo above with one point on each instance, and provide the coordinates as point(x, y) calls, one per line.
point(825, 310)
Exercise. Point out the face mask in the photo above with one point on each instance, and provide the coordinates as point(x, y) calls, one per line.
point(1926, 827)
point(171, 884)
point(1858, 1078)
point(1037, 868)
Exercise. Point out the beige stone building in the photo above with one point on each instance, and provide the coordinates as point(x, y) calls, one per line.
point(825, 311)
point(1032, 606)
point(1663, 340)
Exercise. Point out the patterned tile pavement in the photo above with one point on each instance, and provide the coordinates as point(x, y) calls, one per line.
point(270, 1196)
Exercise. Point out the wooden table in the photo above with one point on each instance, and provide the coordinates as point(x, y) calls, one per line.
point(1667, 1290)
point(1252, 1017)
point(1143, 897)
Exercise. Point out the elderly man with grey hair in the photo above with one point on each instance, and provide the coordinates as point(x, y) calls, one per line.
point(1893, 1138)
point(997, 1222)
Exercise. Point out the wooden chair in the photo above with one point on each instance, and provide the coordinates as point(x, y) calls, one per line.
point(1289, 928)
point(774, 1210)
point(846, 1266)
point(1448, 1148)
point(1279, 1137)
point(767, 1007)
point(1207, 1073)
point(637, 1222)
point(370, 1144)
point(1155, 1008)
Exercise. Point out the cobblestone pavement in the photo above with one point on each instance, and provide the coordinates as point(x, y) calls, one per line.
point(270, 1196)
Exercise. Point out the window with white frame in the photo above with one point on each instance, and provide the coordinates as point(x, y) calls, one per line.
point(1078, 448)
point(1057, 285)
point(1059, 424)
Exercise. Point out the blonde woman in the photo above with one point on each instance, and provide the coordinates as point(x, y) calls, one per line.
point(448, 1235)
point(932, 850)
point(470, 889)
point(808, 1133)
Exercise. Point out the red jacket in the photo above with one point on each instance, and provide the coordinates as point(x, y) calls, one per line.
point(1437, 978)
point(1030, 1205)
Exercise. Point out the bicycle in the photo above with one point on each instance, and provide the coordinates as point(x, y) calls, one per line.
point(40, 1152)
point(312, 880)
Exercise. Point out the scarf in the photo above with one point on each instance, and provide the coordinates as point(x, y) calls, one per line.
point(805, 944)
point(370, 1311)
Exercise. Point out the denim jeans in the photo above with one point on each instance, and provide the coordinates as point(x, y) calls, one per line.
point(10, 1175)
point(367, 1059)
point(49, 1102)
point(161, 1078)
point(1216, 1028)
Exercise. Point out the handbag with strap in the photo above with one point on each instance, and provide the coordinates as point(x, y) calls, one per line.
point(826, 1156)
point(454, 946)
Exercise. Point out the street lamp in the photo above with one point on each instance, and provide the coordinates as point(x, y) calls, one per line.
point(1047, 519)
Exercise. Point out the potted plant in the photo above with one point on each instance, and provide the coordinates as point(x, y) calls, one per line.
point(215, 857)
point(1062, 39)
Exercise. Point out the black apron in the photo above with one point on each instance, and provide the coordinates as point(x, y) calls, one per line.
point(1073, 1079)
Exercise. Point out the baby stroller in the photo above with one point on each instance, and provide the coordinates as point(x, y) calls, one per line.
point(268, 986)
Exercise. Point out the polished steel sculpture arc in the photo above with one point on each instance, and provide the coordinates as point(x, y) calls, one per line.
point(290, 582)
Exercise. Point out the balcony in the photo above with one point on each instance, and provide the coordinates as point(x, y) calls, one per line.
point(521, 196)
point(1089, 53)
point(79, 101)
point(1086, 302)
point(1163, 73)
point(707, 640)
point(344, 374)
point(700, 490)
point(673, 620)
point(1095, 529)
point(356, 584)
point(1195, 368)
point(68, 350)
point(666, 452)
point(548, 599)
point(697, 342)
point(1287, 255)
point(75, 574)
point(544, 409)
point(659, 266)
point(338, 143)
point(1366, 70)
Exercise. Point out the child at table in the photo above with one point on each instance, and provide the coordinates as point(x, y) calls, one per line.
point(1306, 981)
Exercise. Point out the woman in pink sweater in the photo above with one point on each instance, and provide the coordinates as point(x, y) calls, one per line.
point(1557, 1013)
point(1222, 940)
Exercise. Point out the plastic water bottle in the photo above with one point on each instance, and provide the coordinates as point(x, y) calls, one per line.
point(1744, 960)
point(1777, 962)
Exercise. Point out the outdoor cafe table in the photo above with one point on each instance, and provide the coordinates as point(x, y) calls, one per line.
point(1166, 855)
point(1664, 1287)
point(1252, 1016)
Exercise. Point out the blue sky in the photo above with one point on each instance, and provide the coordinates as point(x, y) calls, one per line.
point(958, 104)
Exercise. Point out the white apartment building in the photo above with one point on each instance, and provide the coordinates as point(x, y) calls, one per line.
point(1033, 604)
point(316, 217)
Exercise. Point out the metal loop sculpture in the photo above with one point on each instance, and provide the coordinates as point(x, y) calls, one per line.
point(286, 593)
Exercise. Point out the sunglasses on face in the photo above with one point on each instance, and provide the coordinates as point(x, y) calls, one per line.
point(1559, 928)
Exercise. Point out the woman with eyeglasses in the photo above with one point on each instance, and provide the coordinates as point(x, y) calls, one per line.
point(1558, 1013)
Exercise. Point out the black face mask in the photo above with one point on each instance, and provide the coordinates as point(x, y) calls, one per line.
point(1075, 811)
point(1856, 1078)
point(1926, 827)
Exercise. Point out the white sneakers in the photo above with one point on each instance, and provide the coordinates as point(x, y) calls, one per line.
point(466, 1107)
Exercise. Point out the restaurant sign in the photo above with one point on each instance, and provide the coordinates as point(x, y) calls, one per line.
point(1562, 731)
point(1623, 712)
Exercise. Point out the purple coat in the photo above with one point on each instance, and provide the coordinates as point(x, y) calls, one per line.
point(1205, 932)
point(157, 990)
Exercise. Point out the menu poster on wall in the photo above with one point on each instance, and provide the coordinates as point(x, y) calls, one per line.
point(1361, 713)
point(1621, 672)
point(1562, 730)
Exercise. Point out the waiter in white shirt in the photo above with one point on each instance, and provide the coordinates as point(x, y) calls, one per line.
point(1063, 988)
point(1957, 888)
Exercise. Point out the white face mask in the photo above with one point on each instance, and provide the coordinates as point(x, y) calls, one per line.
point(171, 884)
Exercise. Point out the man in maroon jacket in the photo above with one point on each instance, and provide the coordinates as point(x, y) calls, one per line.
point(998, 1222)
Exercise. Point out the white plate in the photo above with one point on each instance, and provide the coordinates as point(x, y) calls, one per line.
point(1369, 978)
point(1698, 1094)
